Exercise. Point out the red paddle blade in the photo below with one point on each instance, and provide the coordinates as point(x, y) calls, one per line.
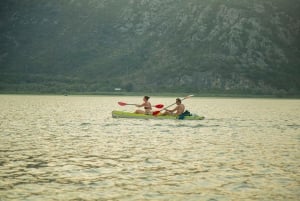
point(122, 104)
point(159, 106)
point(155, 113)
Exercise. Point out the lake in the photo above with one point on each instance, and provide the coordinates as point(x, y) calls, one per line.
point(70, 148)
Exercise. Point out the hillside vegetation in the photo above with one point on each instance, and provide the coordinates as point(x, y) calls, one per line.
point(223, 46)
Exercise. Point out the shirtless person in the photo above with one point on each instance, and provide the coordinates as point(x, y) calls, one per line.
point(178, 110)
point(146, 105)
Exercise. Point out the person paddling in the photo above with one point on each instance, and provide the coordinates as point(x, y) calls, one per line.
point(147, 106)
point(178, 110)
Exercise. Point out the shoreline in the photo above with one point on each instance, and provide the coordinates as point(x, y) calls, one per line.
point(158, 94)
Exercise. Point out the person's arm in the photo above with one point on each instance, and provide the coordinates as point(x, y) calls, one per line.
point(141, 105)
point(176, 108)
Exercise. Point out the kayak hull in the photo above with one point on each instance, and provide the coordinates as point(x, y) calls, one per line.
point(123, 114)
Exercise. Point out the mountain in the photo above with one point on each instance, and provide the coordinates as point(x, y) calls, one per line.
point(223, 46)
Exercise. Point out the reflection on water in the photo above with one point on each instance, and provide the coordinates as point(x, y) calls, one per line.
point(69, 148)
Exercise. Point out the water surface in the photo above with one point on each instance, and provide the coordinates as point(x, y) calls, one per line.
point(69, 148)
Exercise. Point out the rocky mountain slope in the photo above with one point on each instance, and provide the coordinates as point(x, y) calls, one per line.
point(233, 46)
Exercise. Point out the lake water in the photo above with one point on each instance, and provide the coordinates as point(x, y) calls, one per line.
point(69, 148)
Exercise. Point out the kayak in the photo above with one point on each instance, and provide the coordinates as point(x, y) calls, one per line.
point(123, 114)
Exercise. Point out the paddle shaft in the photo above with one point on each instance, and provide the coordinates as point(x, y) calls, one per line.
point(124, 104)
point(175, 103)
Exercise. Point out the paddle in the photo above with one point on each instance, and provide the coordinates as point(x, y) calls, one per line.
point(157, 106)
point(157, 112)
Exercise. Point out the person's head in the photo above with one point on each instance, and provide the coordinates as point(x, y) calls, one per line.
point(178, 101)
point(146, 98)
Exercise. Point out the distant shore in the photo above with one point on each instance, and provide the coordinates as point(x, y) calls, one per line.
point(166, 94)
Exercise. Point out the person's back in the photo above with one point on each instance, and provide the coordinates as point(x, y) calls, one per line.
point(147, 107)
point(180, 109)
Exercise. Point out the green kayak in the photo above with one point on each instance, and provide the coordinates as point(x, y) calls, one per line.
point(122, 114)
